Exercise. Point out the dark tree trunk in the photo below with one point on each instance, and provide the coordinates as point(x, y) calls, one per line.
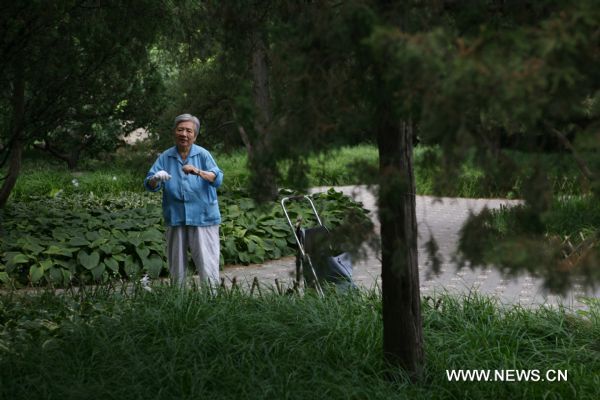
point(15, 147)
point(72, 162)
point(260, 153)
point(402, 323)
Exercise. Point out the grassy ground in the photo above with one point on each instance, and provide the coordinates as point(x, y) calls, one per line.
point(345, 166)
point(172, 344)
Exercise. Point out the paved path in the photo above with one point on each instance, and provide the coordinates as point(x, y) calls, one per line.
point(442, 217)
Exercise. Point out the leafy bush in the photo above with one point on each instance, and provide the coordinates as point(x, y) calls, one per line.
point(252, 234)
point(81, 239)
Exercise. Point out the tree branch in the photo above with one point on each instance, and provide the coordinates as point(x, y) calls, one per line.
point(51, 150)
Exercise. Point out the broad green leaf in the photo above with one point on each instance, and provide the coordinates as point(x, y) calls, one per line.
point(104, 233)
point(92, 235)
point(89, 261)
point(60, 251)
point(276, 253)
point(79, 241)
point(56, 275)
point(132, 267)
point(153, 266)
point(142, 251)
point(118, 234)
point(112, 264)
point(106, 248)
point(255, 239)
point(61, 234)
point(36, 272)
point(46, 264)
point(152, 235)
point(134, 241)
point(18, 258)
point(281, 234)
point(98, 271)
point(117, 249)
point(239, 232)
point(98, 242)
point(124, 225)
point(229, 246)
point(233, 211)
point(4, 277)
point(67, 276)
point(33, 246)
point(243, 256)
point(259, 251)
point(156, 247)
point(120, 257)
point(280, 243)
point(251, 245)
point(268, 245)
point(68, 265)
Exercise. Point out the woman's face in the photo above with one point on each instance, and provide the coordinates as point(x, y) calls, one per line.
point(185, 134)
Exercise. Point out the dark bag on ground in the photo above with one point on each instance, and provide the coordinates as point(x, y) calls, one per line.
point(333, 269)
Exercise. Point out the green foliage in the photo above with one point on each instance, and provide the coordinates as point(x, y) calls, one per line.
point(344, 166)
point(87, 72)
point(513, 176)
point(82, 239)
point(561, 243)
point(335, 167)
point(512, 78)
point(51, 182)
point(189, 344)
point(88, 238)
point(253, 233)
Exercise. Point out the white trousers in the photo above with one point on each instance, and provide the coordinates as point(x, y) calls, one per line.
point(204, 245)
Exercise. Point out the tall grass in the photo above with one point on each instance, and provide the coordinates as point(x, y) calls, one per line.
point(173, 344)
point(572, 218)
point(574, 214)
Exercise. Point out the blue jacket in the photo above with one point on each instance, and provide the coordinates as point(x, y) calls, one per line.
point(188, 199)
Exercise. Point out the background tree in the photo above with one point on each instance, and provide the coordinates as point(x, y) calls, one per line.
point(223, 57)
point(527, 72)
point(70, 65)
point(463, 75)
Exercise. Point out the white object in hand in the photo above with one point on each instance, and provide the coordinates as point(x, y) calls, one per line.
point(161, 176)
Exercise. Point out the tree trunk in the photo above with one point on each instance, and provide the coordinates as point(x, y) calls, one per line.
point(15, 147)
point(402, 323)
point(260, 153)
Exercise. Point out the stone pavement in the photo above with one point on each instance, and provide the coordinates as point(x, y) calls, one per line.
point(442, 217)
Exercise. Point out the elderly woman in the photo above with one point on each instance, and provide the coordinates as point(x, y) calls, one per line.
point(189, 177)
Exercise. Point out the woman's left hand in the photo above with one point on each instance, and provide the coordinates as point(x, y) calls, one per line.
point(206, 175)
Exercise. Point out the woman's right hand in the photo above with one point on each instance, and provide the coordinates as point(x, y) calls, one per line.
point(160, 176)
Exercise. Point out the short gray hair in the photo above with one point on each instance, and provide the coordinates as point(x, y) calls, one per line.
point(187, 117)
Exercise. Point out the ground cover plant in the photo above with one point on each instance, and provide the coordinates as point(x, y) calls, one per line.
point(230, 345)
point(77, 239)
